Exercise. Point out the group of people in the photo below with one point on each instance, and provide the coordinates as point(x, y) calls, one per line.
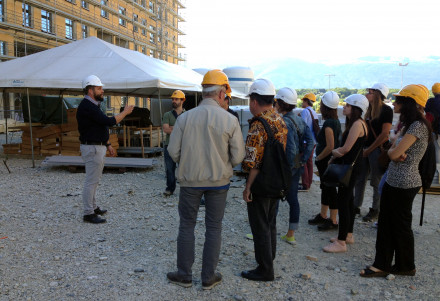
point(206, 143)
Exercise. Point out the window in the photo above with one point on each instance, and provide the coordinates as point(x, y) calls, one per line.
point(135, 28)
point(122, 11)
point(159, 12)
point(3, 49)
point(152, 38)
point(124, 101)
point(143, 21)
point(143, 3)
point(71, 1)
point(84, 31)
point(135, 17)
point(2, 10)
point(84, 5)
point(151, 6)
point(151, 53)
point(27, 15)
point(136, 101)
point(144, 32)
point(104, 13)
point(152, 28)
point(143, 49)
point(69, 29)
point(46, 21)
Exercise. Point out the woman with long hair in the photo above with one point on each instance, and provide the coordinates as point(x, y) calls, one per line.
point(394, 234)
point(327, 140)
point(297, 152)
point(379, 118)
point(353, 140)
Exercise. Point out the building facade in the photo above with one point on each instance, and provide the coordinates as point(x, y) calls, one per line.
point(148, 26)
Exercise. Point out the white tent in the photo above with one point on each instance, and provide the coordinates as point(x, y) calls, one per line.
point(123, 71)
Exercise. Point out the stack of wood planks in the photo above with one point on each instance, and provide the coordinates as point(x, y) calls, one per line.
point(53, 139)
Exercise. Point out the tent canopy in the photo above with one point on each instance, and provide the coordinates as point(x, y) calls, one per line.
point(122, 71)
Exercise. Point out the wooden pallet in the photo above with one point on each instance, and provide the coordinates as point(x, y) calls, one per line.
point(116, 162)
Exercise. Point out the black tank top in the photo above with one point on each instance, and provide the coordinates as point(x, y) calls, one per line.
point(357, 147)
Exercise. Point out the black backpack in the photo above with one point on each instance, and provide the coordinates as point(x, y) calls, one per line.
point(427, 168)
point(275, 176)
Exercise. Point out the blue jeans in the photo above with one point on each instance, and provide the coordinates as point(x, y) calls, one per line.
point(292, 199)
point(170, 170)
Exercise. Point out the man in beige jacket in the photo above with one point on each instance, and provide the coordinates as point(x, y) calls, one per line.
point(206, 142)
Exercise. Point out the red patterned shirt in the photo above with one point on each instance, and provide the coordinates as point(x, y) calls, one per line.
point(257, 137)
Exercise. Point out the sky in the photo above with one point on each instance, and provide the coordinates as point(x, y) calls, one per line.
point(247, 32)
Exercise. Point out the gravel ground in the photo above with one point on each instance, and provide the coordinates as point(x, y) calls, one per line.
point(50, 254)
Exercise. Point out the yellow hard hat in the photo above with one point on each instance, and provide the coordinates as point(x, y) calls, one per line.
point(216, 77)
point(178, 94)
point(417, 92)
point(436, 88)
point(310, 96)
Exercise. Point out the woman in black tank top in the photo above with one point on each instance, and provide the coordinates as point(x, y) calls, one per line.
point(353, 140)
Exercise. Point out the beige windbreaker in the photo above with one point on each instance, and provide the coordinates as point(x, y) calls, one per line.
point(206, 142)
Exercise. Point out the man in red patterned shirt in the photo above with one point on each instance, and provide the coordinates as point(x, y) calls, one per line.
point(261, 210)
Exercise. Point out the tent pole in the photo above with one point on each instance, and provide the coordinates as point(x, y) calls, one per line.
point(30, 127)
point(160, 117)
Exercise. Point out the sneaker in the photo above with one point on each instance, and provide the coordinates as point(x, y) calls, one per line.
point(93, 219)
point(289, 239)
point(100, 211)
point(327, 225)
point(317, 220)
point(249, 236)
point(303, 188)
point(371, 215)
point(167, 193)
point(174, 278)
point(209, 285)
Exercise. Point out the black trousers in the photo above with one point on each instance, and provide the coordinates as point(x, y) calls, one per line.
point(262, 219)
point(328, 194)
point(395, 237)
point(346, 207)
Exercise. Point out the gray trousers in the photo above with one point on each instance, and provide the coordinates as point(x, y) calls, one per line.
point(189, 202)
point(369, 167)
point(93, 156)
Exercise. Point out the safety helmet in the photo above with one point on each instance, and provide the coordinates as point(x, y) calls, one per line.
point(382, 88)
point(331, 99)
point(178, 94)
point(358, 100)
point(263, 87)
point(309, 96)
point(287, 95)
point(91, 80)
point(417, 92)
point(216, 77)
point(436, 88)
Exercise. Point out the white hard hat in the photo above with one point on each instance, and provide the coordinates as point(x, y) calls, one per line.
point(358, 100)
point(262, 86)
point(287, 95)
point(382, 88)
point(331, 99)
point(92, 80)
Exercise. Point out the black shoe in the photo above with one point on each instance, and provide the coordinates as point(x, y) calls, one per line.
point(174, 278)
point(327, 225)
point(100, 211)
point(254, 275)
point(357, 211)
point(209, 285)
point(317, 220)
point(371, 215)
point(94, 219)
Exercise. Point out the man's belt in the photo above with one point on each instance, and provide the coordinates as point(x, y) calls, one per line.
point(94, 143)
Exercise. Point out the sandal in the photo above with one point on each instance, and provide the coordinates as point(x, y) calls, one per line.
point(369, 273)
